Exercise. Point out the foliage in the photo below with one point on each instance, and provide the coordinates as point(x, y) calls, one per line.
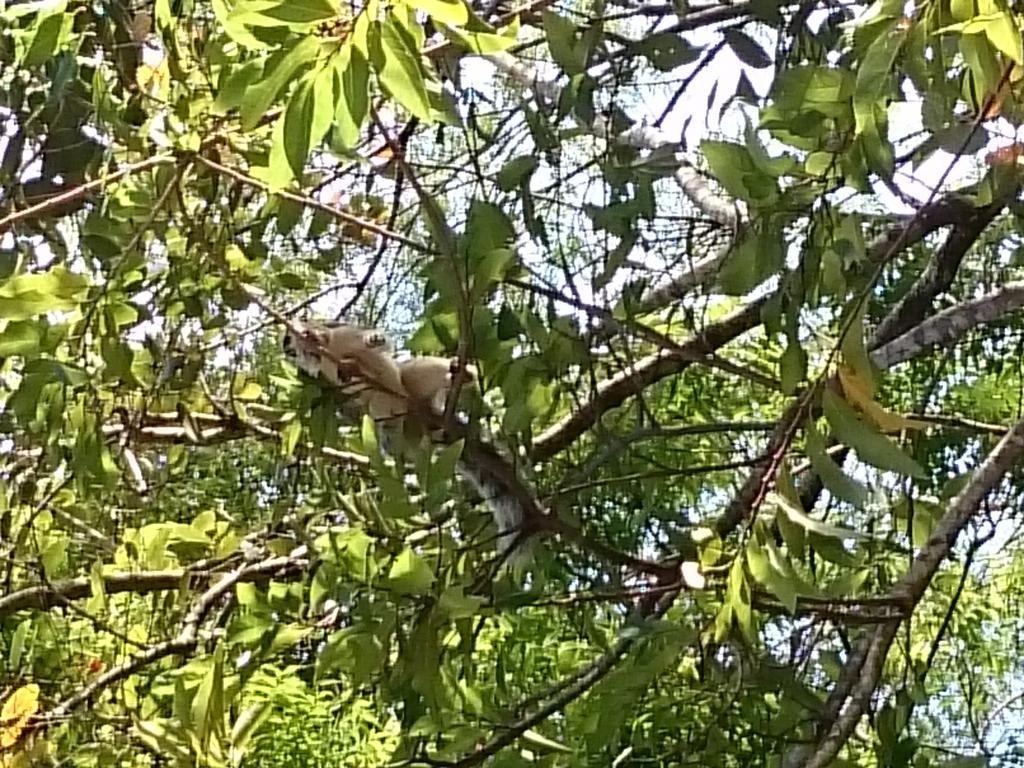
point(767, 389)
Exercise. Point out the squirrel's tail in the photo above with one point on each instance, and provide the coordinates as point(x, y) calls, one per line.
point(513, 506)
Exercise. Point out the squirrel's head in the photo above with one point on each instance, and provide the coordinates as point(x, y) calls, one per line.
point(302, 344)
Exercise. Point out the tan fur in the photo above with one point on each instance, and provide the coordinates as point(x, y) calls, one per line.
point(360, 363)
point(428, 380)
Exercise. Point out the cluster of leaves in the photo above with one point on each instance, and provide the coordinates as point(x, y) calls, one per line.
point(206, 560)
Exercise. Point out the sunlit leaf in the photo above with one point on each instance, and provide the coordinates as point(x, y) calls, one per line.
point(397, 63)
point(17, 710)
point(410, 575)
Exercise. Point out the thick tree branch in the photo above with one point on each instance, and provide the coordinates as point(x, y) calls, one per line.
point(850, 701)
point(614, 391)
point(941, 270)
point(946, 211)
point(951, 324)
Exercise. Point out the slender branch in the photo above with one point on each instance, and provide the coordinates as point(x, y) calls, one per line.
point(309, 202)
point(161, 428)
point(42, 597)
point(34, 211)
point(610, 323)
point(581, 682)
point(186, 640)
point(697, 189)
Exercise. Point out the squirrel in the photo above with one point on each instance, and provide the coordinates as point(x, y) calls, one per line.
point(360, 361)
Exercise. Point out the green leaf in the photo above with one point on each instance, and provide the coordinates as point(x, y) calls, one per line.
point(235, 29)
point(768, 576)
point(490, 270)
point(235, 90)
point(809, 524)
point(1003, 31)
point(280, 69)
point(20, 339)
point(247, 723)
point(666, 50)
point(801, 96)
point(457, 605)
point(569, 54)
point(290, 434)
point(445, 11)
point(874, 86)
point(483, 43)
point(488, 228)
point(759, 256)
point(295, 14)
point(515, 172)
point(17, 644)
point(440, 473)
point(208, 704)
point(307, 118)
point(738, 172)
point(746, 50)
point(286, 636)
point(278, 172)
point(47, 34)
point(410, 575)
point(509, 324)
point(738, 599)
point(30, 294)
point(792, 367)
point(871, 446)
point(54, 556)
point(838, 483)
point(352, 77)
point(832, 549)
point(399, 68)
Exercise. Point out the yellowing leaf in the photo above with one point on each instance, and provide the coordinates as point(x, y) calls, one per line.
point(153, 80)
point(251, 391)
point(445, 11)
point(871, 446)
point(858, 392)
point(17, 710)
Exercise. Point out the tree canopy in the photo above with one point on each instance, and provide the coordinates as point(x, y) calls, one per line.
point(742, 284)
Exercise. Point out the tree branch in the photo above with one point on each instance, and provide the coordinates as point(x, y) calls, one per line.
point(951, 324)
point(43, 597)
point(185, 641)
point(850, 701)
point(942, 268)
point(614, 391)
point(34, 211)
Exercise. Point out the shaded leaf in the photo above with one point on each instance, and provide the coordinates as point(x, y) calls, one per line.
point(871, 446)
